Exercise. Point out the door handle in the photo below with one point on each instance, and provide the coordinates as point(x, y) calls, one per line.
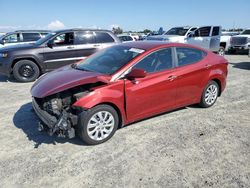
point(207, 66)
point(70, 47)
point(172, 77)
point(97, 45)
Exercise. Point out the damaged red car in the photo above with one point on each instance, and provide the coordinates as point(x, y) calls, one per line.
point(126, 83)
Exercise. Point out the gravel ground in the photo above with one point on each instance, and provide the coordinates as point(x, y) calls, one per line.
point(189, 147)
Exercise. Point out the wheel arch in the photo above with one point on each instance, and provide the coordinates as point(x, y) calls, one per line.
point(26, 58)
point(219, 84)
point(121, 118)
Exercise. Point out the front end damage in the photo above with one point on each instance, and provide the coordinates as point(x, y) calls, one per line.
point(57, 114)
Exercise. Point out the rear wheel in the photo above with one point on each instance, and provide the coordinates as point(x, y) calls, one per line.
point(98, 124)
point(26, 71)
point(210, 94)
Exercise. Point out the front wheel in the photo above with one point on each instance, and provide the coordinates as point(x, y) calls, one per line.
point(26, 71)
point(98, 124)
point(209, 95)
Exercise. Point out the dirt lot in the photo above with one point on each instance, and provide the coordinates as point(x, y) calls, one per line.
point(190, 147)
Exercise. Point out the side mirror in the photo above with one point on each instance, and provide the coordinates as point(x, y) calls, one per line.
point(50, 43)
point(136, 73)
point(190, 34)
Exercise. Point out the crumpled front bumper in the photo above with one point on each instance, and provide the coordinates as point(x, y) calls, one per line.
point(62, 126)
point(44, 116)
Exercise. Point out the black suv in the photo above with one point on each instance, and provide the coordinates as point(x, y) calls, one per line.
point(22, 37)
point(28, 61)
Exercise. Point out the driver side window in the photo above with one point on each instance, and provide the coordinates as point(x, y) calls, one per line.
point(157, 61)
point(64, 39)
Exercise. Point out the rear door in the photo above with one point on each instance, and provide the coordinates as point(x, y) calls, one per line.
point(201, 37)
point(191, 71)
point(103, 39)
point(85, 44)
point(62, 52)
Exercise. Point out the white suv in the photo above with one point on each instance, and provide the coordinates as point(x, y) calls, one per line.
point(207, 37)
point(22, 37)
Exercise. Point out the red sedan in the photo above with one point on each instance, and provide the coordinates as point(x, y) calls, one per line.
point(126, 83)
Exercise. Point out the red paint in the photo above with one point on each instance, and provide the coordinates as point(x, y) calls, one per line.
point(143, 97)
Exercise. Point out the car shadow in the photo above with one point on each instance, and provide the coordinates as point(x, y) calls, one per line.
point(7, 79)
point(241, 65)
point(26, 120)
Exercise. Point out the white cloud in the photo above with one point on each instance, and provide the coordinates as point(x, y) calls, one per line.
point(56, 25)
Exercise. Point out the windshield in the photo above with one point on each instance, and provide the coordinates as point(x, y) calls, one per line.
point(177, 31)
point(109, 60)
point(47, 37)
point(246, 32)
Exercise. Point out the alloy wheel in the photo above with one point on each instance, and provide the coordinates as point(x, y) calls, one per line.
point(100, 125)
point(211, 94)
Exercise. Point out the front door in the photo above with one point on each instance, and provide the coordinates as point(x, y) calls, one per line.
point(61, 53)
point(156, 92)
point(215, 39)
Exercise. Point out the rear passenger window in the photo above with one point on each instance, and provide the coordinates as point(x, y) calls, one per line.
point(102, 37)
point(216, 31)
point(31, 37)
point(157, 61)
point(85, 37)
point(188, 56)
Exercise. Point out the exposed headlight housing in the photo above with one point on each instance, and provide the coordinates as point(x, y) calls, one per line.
point(4, 54)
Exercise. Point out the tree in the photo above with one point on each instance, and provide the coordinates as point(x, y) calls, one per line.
point(146, 31)
point(117, 30)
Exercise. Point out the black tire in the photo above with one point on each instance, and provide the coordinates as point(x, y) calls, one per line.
point(84, 118)
point(203, 102)
point(26, 71)
point(231, 51)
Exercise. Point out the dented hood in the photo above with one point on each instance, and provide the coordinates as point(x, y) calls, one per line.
point(63, 79)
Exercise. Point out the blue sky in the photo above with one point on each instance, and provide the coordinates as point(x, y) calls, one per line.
point(128, 14)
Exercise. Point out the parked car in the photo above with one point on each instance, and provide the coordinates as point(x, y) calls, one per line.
point(135, 36)
point(240, 42)
point(225, 41)
point(207, 37)
point(126, 83)
point(125, 38)
point(28, 62)
point(22, 37)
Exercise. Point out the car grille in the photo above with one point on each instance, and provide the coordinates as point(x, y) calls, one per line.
point(238, 40)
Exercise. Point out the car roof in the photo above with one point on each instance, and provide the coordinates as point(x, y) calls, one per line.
point(39, 31)
point(149, 45)
point(80, 29)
